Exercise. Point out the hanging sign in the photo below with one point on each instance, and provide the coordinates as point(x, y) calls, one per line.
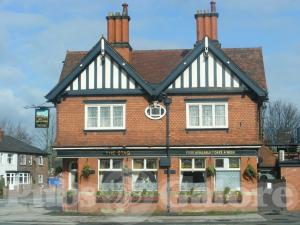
point(42, 118)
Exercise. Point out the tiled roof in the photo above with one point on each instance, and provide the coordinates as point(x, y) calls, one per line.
point(10, 144)
point(155, 65)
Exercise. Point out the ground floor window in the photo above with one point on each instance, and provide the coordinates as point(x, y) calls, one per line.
point(144, 176)
point(111, 175)
point(40, 178)
point(10, 178)
point(228, 173)
point(192, 174)
point(24, 178)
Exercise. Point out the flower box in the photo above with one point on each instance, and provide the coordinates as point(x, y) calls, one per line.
point(192, 197)
point(231, 197)
point(144, 197)
point(109, 197)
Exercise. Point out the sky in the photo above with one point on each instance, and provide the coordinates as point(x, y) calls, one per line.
point(35, 35)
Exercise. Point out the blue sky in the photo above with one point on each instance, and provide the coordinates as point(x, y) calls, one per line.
point(34, 36)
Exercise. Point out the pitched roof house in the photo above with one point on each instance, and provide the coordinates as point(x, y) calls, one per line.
point(147, 119)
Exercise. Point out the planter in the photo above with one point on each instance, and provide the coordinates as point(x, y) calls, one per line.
point(232, 197)
point(144, 199)
point(187, 199)
point(71, 197)
point(115, 198)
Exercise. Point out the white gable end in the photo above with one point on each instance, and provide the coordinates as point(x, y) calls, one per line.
point(102, 74)
point(206, 72)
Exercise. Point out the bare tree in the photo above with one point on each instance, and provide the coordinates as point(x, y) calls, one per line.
point(281, 122)
point(16, 130)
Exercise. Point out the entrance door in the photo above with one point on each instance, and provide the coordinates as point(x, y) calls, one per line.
point(73, 176)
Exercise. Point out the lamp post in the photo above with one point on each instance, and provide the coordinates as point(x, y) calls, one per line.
point(167, 102)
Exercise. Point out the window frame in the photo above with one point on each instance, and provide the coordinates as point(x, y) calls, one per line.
point(193, 164)
point(41, 161)
point(111, 169)
point(23, 159)
point(200, 106)
point(145, 165)
point(40, 179)
point(11, 157)
point(98, 106)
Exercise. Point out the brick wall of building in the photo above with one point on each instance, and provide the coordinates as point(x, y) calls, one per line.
point(141, 131)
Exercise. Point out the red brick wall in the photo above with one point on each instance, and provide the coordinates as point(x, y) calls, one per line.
point(243, 124)
point(88, 188)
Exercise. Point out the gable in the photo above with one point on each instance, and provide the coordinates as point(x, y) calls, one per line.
point(103, 74)
point(206, 72)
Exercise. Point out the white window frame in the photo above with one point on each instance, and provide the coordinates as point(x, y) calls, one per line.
point(40, 178)
point(22, 160)
point(145, 164)
point(227, 168)
point(23, 175)
point(41, 161)
point(193, 169)
point(98, 106)
point(30, 160)
point(12, 158)
point(111, 169)
point(200, 105)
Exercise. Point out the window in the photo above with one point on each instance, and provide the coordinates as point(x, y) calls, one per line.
point(155, 111)
point(24, 178)
point(227, 173)
point(10, 178)
point(40, 179)
point(207, 115)
point(105, 117)
point(30, 160)
point(41, 160)
point(111, 175)
point(22, 160)
point(144, 176)
point(192, 176)
point(9, 158)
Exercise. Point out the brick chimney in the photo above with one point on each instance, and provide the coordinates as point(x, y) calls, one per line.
point(1, 134)
point(118, 32)
point(207, 23)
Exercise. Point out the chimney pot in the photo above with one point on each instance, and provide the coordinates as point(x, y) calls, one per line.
point(118, 14)
point(125, 9)
point(213, 6)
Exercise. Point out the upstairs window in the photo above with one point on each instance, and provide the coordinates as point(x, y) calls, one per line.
point(41, 160)
point(206, 115)
point(23, 160)
point(10, 158)
point(105, 117)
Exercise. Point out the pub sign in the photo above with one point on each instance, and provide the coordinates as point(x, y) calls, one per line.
point(42, 118)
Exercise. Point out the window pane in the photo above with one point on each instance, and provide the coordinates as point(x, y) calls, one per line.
point(117, 164)
point(193, 181)
point(194, 115)
point(220, 115)
point(186, 163)
point(111, 181)
point(220, 163)
point(207, 115)
point(229, 179)
point(92, 119)
point(151, 164)
point(138, 164)
point(144, 180)
point(118, 116)
point(199, 163)
point(104, 163)
point(234, 163)
point(105, 117)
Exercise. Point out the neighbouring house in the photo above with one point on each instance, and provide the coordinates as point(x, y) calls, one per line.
point(21, 165)
point(160, 130)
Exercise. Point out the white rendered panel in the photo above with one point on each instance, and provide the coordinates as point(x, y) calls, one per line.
point(219, 74)
point(92, 75)
point(83, 80)
point(178, 82)
point(236, 83)
point(115, 76)
point(107, 72)
point(68, 89)
point(75, 84)
point(202, 70)
point(123, 80)
point(99, 72)
point(194, 74)
point(227, 78)
point(131, 84)
point(211, 71)
point(186, 78)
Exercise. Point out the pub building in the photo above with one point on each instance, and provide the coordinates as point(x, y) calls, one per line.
point(160, 130)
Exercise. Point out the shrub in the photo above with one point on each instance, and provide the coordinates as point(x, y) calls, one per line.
point(210, 171)
point(86, 171)
point(250, 172)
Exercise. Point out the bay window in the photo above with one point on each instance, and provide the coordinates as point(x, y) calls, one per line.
point(201, 115)
point(111, 175)
point(105, 116)
point(144, 176)
point(192, 174)
point(228, 173)
point(24, 178)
